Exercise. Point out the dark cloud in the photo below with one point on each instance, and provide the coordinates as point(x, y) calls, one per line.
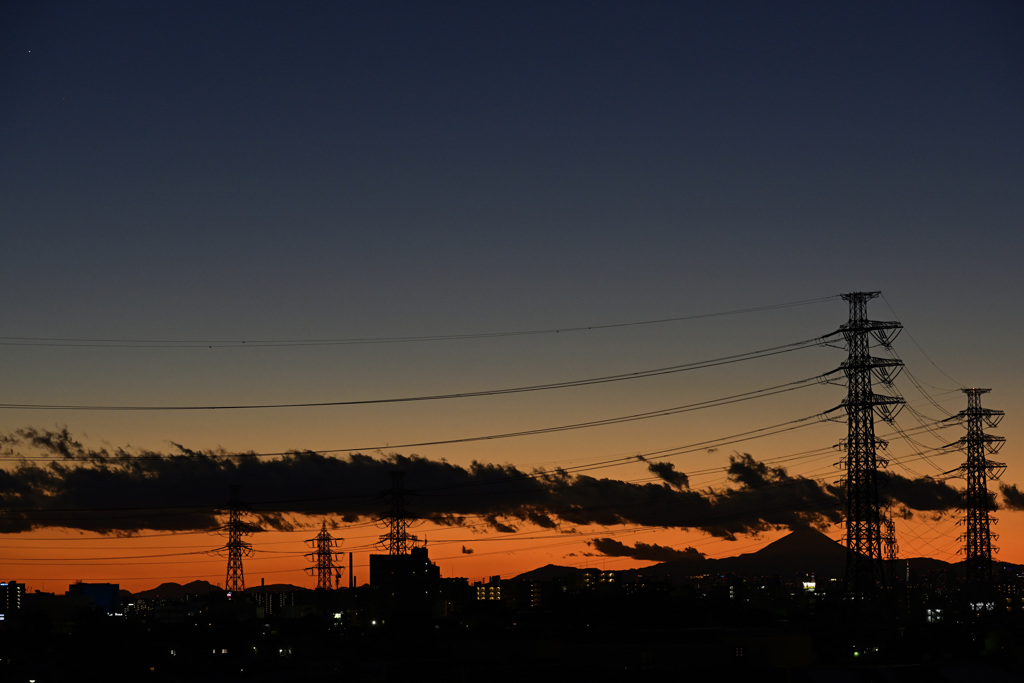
point(495, 523)
point(1013, 497)
point(56, 481)
point(57, 442)
point(924, 493)
point(745, 470)
point(644, 551)
point(767, 498)
point(121, 491)
point(667, 472)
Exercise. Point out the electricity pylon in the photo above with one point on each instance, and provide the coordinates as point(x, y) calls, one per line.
point(397, 540)
point(890, 546)
point(236, 548)
point(977, 505)
point(325, 558)
point(865, 569)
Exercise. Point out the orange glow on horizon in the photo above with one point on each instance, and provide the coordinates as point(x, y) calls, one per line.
point(51, 559)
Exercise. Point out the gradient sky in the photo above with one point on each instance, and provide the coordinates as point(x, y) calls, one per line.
point(188, 172)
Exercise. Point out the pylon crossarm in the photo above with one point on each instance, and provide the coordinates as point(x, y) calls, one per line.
point(958, 473)
point(993, 417)
point(886, 332)
point(831, 415)
point(994, 444)
point(887, 374)
point(888, 411)
point(835, 378)
point(958, 445)
point(995, 469)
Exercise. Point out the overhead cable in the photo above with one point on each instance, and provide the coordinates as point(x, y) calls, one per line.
point(197, 343)
point(640, 374)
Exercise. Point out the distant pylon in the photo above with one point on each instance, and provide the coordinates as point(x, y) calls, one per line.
point(865, 569)
point(236, 548)
point(397, 540)
point(324, 557)
point(890, 547)
point(978, 503)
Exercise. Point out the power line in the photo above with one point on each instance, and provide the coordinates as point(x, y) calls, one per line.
point(196, 343)
point(927, 357)
point(661, 412)
point(641, 374)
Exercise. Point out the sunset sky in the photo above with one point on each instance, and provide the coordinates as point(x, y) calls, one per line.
point(210, 208)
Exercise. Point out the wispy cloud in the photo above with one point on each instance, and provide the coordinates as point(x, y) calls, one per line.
point(644, 551)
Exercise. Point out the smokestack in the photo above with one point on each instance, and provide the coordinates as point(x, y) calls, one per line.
point(351, 576)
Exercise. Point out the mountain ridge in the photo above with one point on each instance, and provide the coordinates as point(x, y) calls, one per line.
point(802, 551)
point(798, 552)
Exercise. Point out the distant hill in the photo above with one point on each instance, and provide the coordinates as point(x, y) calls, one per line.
point(798, 552)
point(793, 554)
point(789, 556)
point(176, 591)
point(547, 573)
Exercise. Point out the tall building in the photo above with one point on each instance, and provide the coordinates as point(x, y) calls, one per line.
point(398, 574)
point(406, 586)
point(106, 596)
point(12, 594)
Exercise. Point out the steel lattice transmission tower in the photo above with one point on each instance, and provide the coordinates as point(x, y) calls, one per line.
point(325, 558)
point(236, 548)
point(977, 536)
point(890, 546)
point(865, 569)
point(397, 540)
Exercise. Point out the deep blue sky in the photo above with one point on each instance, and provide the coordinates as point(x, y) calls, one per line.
point(337, 170)
point(255, 170)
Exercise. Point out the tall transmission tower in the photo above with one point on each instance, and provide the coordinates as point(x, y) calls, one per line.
point(325, 558)
point(977, 505)
point(865, 569)
point(890, 546)
point(397, 540)
point(236, 548)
